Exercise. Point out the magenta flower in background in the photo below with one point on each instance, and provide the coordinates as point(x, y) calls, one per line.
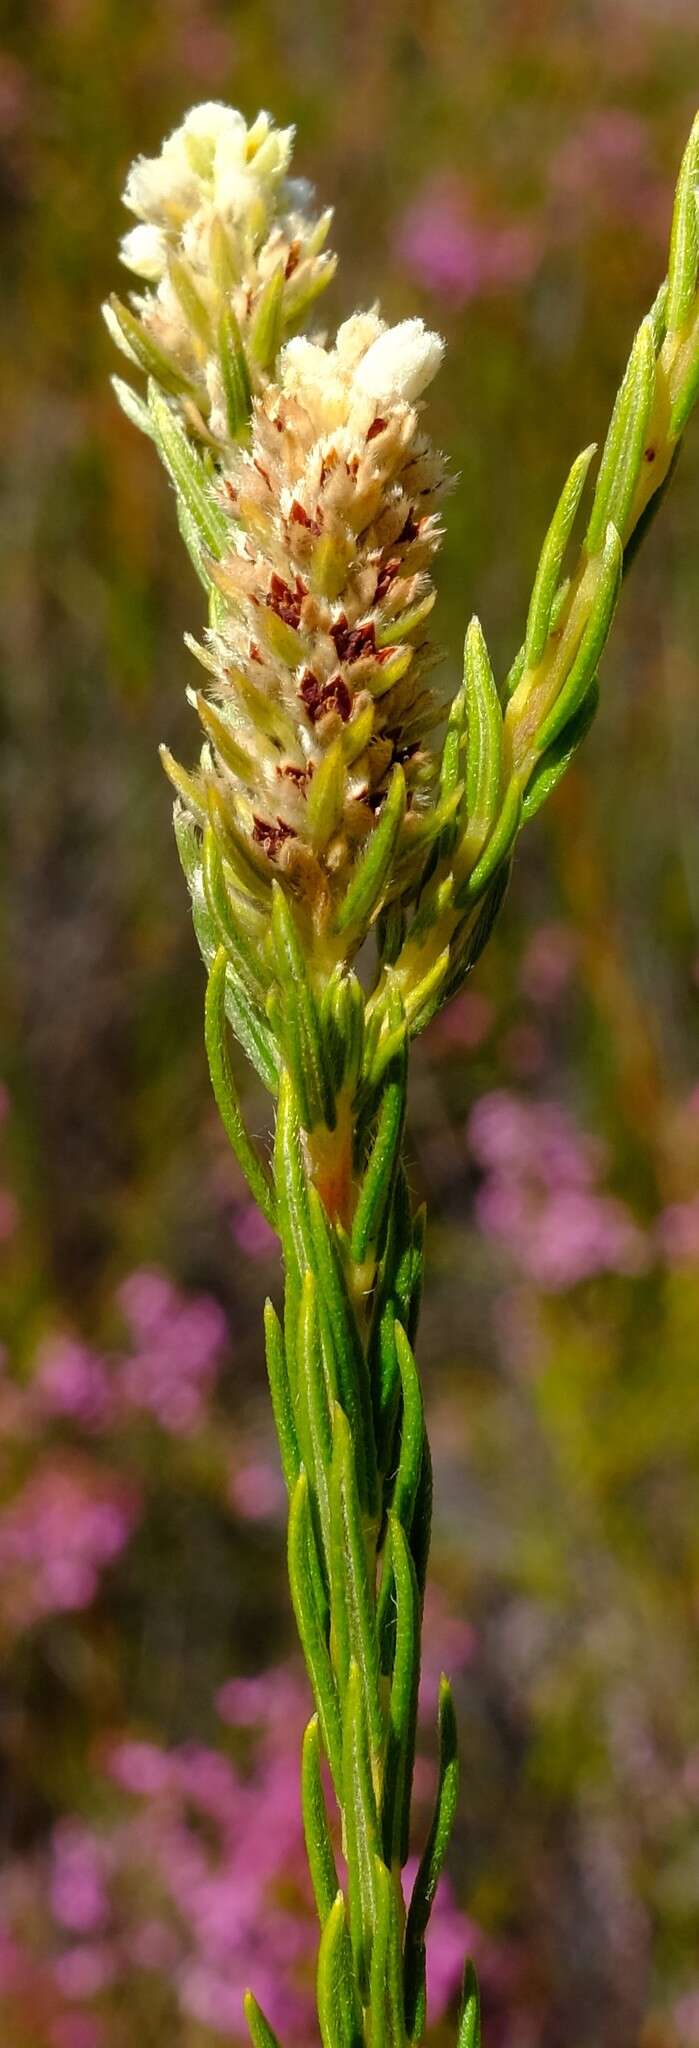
point(548, 964)
point(256, 1490)
point(607, 162)
point(178, 1349)
point(539, 1195)
point(677, 1232)
point(441, 243)
point(251, 1230)
point(73, 1383)
point(67, 1523)
point(77, 1879)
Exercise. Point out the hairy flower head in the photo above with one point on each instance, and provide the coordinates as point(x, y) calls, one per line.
point(317, 659)
point(224, 234)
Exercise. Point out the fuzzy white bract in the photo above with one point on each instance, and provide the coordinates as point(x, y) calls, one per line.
point(223, 230)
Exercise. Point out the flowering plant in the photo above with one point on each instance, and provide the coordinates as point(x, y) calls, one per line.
point(347, 842)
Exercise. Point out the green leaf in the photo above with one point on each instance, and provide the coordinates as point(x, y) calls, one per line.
point(299, 999)
point(684, 238)
point(306, 1594)
point(391, 1299)
point(552, 766)
point(687, 390)
point(265, 336)
point(284, 1013)
point(476, 935)
point(586, 661)
point(338, 2005)
point(549, 570)
point(374, 869)
point(422, 1000)
point(484, 758)
point(430, 1868)
point(377, 1185)
point(406, 1484)
point(195, 312)
point(218, 731)
point(280, 1391)
point(251, 1030)
point(235, 376)
point(321, 1861)
point(133, 406)
point(188, 474)
point(402, 1712)
point(304, 288)
point(451, 771)
point(469, 2035)
point(225, 1092)
point(130, 334)
point(421, 1527)
point(326, 796)
point(342, 1024)
point(412, 1432)
point(290, 1182)
point(400, 628)
point(382, 1055)
point(312, 1410)
point(387, 2026)
point(497, 848)
point(361, 1828)
point(417, 1268)
point(262, 2034)
point(354, 1613)
point(623, 448)
point(341, 1334)
point(244, 957)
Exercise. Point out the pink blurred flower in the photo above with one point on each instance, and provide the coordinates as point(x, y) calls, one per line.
point(251, 1231)
point(64, 1526)
point(579, 1234)
point(548, 963)
point(685, 2015)
point(441, 243)
point(77, 1881)
point(677, 1231)
point(606, 165)
point(256, 1490)
point(179, 1345)
point(72, 1382)
point(77, 2030)
point(538, 1195)
point(140, 1767)
point(464, 1023)
point(85, 1970)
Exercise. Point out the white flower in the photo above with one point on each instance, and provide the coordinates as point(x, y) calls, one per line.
point(213, 160)
point(370, 364)
point(144, 250)
point(400, 363)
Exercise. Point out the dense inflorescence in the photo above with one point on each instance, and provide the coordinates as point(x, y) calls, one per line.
point(229, 247)
point(318, 659)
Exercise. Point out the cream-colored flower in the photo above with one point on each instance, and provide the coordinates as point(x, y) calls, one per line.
point(400, 363)
point(220, 224)
point(317, 669)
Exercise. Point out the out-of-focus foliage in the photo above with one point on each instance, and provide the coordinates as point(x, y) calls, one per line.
point(507, 172)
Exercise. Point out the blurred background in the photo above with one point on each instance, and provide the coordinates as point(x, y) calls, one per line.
point(505, 168)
